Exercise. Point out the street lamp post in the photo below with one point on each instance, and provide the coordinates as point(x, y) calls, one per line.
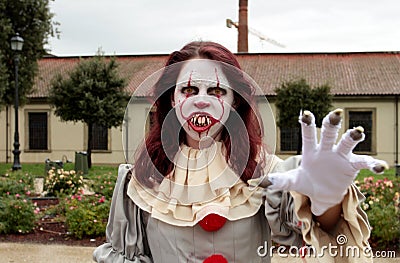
point(16, 45)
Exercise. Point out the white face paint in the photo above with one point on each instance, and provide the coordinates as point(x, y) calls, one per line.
point(202, 98)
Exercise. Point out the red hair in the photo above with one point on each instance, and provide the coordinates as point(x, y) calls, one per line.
point(153, 161)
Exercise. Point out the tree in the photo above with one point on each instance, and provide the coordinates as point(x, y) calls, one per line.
point(32, 19)
point(294, 96)
point(92, 93)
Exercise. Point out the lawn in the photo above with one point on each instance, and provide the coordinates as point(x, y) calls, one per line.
point(389, 174)
point(39, 169)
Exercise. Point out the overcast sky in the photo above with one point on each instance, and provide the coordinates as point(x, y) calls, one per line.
point(129, 27)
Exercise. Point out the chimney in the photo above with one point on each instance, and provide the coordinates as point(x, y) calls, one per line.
point(243, 29)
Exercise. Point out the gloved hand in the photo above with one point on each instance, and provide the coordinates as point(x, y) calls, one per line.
point(326, 170)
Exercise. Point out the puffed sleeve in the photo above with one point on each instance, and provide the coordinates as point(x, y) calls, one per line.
point(125, 233)
point(280, 212)
point(289, 213)
point(351, 234)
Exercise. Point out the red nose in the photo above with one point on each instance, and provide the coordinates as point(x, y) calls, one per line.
point(201, 104)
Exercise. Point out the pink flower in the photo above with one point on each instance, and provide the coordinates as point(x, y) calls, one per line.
point(389, 184)
point(17, 195)
point(102, 199)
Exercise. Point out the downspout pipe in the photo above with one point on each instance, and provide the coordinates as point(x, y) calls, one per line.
point(396, 135)
point(7, 127)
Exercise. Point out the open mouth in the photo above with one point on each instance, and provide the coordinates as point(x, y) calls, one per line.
point(201, 122)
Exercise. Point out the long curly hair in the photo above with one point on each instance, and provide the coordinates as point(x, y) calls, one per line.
point(153, 159)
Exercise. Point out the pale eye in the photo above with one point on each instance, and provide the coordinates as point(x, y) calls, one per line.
point(216, 91)
point(190, 90)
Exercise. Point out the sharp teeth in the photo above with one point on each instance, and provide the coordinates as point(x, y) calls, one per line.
point(200, 120)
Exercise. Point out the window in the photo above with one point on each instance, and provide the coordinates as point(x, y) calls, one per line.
point(289, 139)
point(364, 118)
point(99, 138)
point(38, 131)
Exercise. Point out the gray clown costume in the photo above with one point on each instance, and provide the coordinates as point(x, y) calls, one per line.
point(162, 224)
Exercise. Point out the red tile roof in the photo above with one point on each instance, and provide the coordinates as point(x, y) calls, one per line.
point(372, 73)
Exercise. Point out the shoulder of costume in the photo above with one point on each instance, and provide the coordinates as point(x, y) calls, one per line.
point(124, 168)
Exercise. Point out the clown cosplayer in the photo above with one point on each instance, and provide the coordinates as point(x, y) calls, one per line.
point(204, 187)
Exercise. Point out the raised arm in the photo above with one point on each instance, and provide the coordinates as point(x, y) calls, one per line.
point(326, 200)
point(327, 170)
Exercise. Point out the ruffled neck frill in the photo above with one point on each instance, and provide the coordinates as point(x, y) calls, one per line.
point(201, 183)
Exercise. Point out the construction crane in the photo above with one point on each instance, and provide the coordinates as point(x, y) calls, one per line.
point(230, 23)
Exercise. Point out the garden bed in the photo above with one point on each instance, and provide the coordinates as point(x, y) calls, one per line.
point(68, 210)
point(53, 233)
point(50, 229)
point(69, 215)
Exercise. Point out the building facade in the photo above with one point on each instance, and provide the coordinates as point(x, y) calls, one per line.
point(365, 85)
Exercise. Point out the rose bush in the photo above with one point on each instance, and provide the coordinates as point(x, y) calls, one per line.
point(16, 184)
point(17, 214)
point(382, 205)
point(62, 182)
point(86, 216)
point(103, 184)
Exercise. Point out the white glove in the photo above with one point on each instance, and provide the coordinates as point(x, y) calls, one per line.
point(326, 170)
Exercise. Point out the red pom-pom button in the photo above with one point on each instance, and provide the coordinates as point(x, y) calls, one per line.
point(215, 259)
point(212, 222)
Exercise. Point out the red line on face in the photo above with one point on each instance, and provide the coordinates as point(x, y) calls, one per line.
point(190, 78)
point(216, 75)
point(181, 109)
point(223, 107)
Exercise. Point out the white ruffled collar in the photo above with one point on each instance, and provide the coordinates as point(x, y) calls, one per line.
point(201, 183)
